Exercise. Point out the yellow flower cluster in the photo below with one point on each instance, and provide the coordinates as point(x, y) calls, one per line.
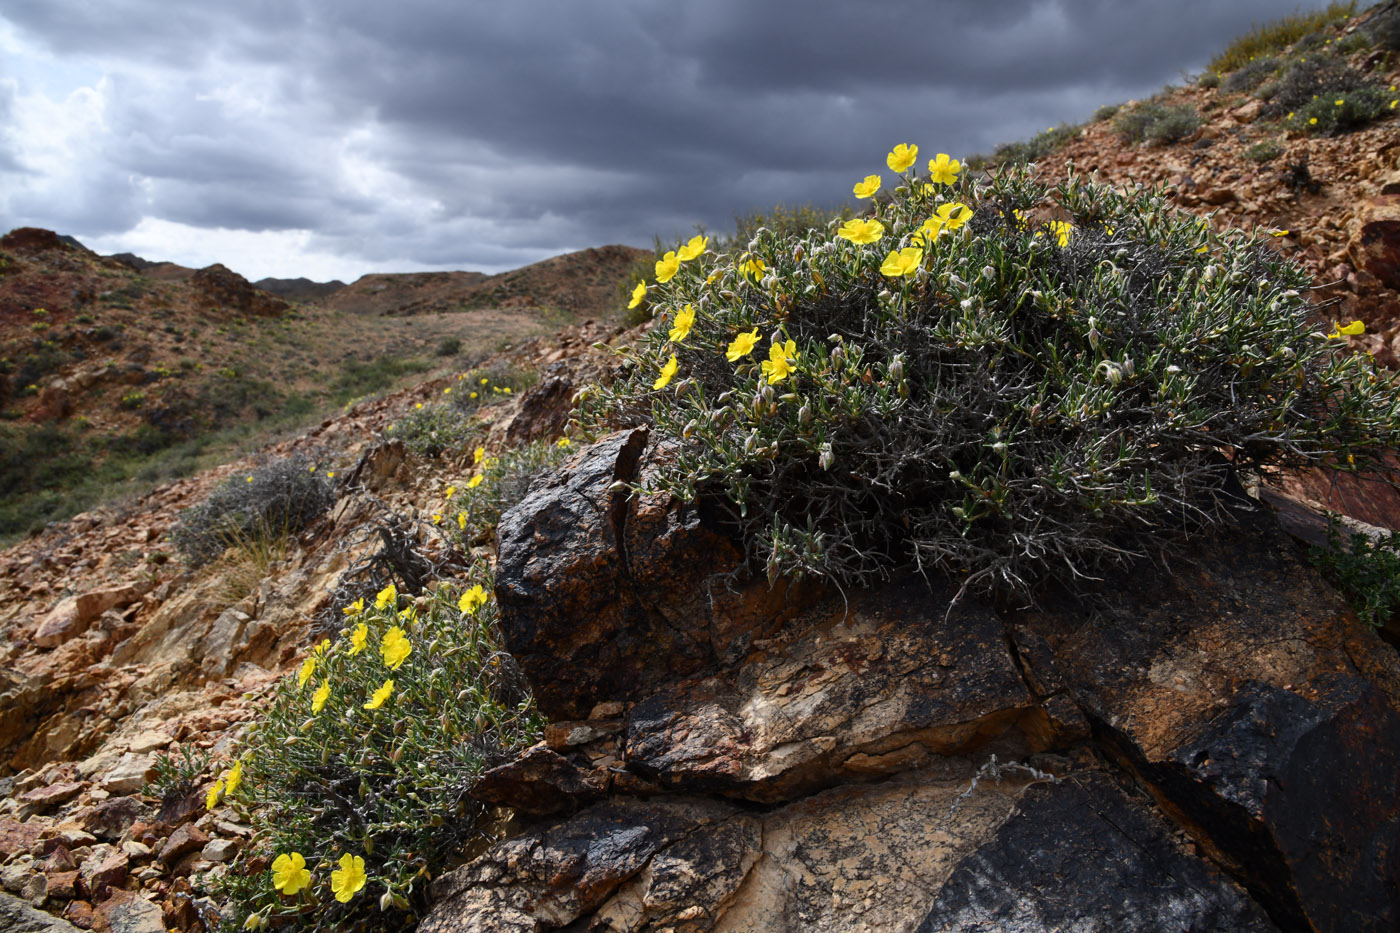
point(290, 875)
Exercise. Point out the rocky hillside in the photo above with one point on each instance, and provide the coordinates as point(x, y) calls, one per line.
point(1209, 748)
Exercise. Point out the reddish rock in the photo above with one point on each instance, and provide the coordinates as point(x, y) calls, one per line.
point(1375, 246)
point(109, 871)
point(43, 799)
point(110, 818)
point(17, 837)
point(33, 240)
point(225, 290)
point(72, 616)
point(540, 781)
point(80, 914)
point(60, 859)
point(188, 838)
point(62, 884)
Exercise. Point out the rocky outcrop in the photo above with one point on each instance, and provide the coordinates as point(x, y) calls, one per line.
point(1375, 246)
point(1209, 746)
point(225, 290)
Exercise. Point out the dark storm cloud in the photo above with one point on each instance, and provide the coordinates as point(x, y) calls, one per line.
point(481, 134)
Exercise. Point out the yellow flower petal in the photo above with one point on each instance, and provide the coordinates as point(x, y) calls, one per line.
point(638, 294)
point(861, 231)
point(693, 248)
point(943, 170)
point(667, 266)
point(349, 878)
point(902, 262)
point(741, 346)
point(868, 187)
point(667, 373)
point(358, 639)
point(902, 157)
point(381, 695)
point(319, 698)
point(289, 873)
point(680, 328)
point(472, 599)
point(395, 648)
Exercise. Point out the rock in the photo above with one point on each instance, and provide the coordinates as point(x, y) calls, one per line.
point(71, 617)
point(564, 735)
point(187, 838)
point(33, 240)
point(1083, 849)
point(15, 874)
point(1249, 112)
point(539, 781)
point(1375, 244)
point(17, 837)
point(109, 819)
point(544, 408)
point(43, 799)
point(63, 885)
point(60, 859)
point(148, 741)
point(863, 689)
point(225, 290)
point(1281, 762)
point(131, 774)
point(35, 890)
point(129, 913)
point(18, 917)
point(219, 850)
point(81, 914)
point(1217, 196)
point(105, 869)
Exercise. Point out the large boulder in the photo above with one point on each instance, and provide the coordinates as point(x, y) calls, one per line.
point(1375, 242)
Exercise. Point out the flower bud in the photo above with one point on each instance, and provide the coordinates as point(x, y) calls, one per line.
point(827, 459)
point(989, 273)
point(386, 900)
point(804, 415)
point(897, 368)
point(838, 356)
point(798, 253)
point(689, 429)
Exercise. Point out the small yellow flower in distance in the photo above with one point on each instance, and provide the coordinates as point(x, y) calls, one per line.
point(437, 518)
point(484, 380)
point(1290, 114)
point(861, 231)
point(381, 695)
point(694, 248)
point(474, 482)
point(233, 778)
point(868, 187)
point(417, 405)
point(250, 479)
point(462, 521)
point(312, 469)
point(355, 608)
point(450, 491)
point(902, 157)
point(1312, 121)
point(943, 170)
point(563, 442)
point(447, 391)
point(211, 799)
point(902, 262)
point(781, 362)
point(954, 215)
point(330, 475)
point(754, 268)
point(1338, 102)
point(478, 454)
point(358, 638)
point(472, 599)
point(506, 389)
point(1394, 102)
point(638, 294)
point(741, 346)
point(473, 395)
point(319, 698)
point(680, 328)
point(348, 878)
point(308, 667)
point(289, 873)
point(388, 598)
point(668, 372)
point(667, 266)
point(1199, 249)
point(395, 648)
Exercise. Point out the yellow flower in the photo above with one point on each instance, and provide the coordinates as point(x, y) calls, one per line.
point(563, 442)
point(478, 454)
point(233, 778)
point(437, 518)
point(954, 215)
point(381, 695)
point(473, 395)
point(943, 170)
point(868, 187)
point(694, 248)
point(417, 405)
point(250, 479)
point(928, 232)
point(474, 482)
point(289, 873)
point(781, 362)
point(753, 268)
point(211, 799)
point(447, 391)
point(861, 231)
point(395, 648)
point(319, 698)
point(638, 294)
point(1338, 102)
point(472, 599)
point(1060, 230)
point(330, 475)
point(1278, 233)
point(348, 878)
point(741, 346)
point(667, 373)
point(680, 328)
point(1312, 121)
point(450, 491)
point(387, 598)
point(902, 262)
point(355, 608)
point(1351, 330)
point(484, 380)
point(308, 667)
point(358, 639)
point(667, 266)
point(902, 157)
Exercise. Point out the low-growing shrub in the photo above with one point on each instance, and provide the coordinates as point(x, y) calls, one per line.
point(449, 346)
point(497, 381)
point(1106, 112)
point(356, 779)
point(496, 484)
point(1038, 146)
point(430, 430)
point(1263, 151)
point(1250, 75)
point(1157, 123)
point(275, 499)
point(1349, 110)
point(1310, 79)
point(992, 380)
point(1277, 35)
point(1366, 570)
point(1207, 79)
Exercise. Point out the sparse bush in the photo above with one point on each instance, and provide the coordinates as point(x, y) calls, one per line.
point(1038, 146)
point(1350, 110)
point(1275, 36)
point(1156, 122)
point(1106, 112)
point(1306, 81)
point(999, 398)
point(496, 484)
point(367, 755)
point(497, 381)
point(1299, 177)
point(1263, 151)
point(449, 346)
point(177, 776)
point(1366, 570)
point(277, 498)
point(1206, 79)
point(782, 220)
point(133, 400)
point(1251, 75)
point(430, 430)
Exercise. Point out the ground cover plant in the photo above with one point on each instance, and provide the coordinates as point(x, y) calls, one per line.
point(989, 378)
point(1277, 35)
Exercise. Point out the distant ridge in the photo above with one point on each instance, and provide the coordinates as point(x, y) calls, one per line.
point(299, 289)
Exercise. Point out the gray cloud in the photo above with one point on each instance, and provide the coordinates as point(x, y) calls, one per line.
point(485, 134)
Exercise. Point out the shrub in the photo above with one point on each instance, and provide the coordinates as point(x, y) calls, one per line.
point(497, 381)
point(1366, 570)
point(429, 430)
point(277, 498)
point(1329, 115)
point(1264, 151)
point(449, 346)
point(1384, 29)
point(785, 221)
point(368, 754)
point(1013, 399)
point(1306, 81)
point(1156, 122)
point(1277, 35)
point(1206, 79)
point(1106, 112)
point(1038, 146)
point(496, 484)
point(1251, 75)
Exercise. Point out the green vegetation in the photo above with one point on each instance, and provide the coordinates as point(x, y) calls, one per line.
point(1366, 570)
point(1275, 36)
point(430, 430)
point(1032, 392)
point(1263, 151)
point(177, 776)
point(270, 502)
point(503, 481)
point(357, 379)
point(1037, 147)
point(1155, 122)
point(494, 382)
point(357, 778)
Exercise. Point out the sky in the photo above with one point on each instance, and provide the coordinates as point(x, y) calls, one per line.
point(334, 138)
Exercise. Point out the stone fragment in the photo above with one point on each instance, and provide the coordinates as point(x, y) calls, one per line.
point(18, 837)
point(127, 912)
point(35, 890)
point(564, 735)
point(71, 617)
point(60, 859)
point(43, 799)
point(1375, 244)
point(14, 874)
point(219, 850)
point(107, 870)
point(187, 838)
point(63, 885)
point(16, 916)
point(539, 781)
point(131, 774)
point(148, 741)
point(111, 818)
